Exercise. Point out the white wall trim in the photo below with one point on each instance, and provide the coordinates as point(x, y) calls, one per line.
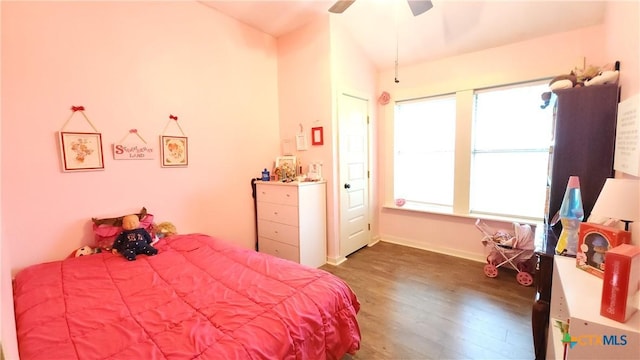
point(335, 261)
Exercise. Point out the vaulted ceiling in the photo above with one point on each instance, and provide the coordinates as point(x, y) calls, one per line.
point(386, 28)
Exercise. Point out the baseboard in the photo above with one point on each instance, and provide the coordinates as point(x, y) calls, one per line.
point(445, 251)
point(335, 261)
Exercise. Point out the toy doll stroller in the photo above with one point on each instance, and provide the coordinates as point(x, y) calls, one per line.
point(506, 248)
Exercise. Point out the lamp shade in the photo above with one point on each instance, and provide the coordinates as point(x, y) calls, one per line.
point(618, 200)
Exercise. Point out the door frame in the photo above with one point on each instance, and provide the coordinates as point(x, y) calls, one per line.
point(368, 99)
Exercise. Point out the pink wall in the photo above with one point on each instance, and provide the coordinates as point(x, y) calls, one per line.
point(622, 43)
point(131, 64)
point(304, 71)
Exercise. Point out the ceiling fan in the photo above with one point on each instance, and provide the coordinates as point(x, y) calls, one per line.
point(417, 6)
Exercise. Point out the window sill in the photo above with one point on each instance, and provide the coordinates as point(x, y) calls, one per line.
point(443, 210)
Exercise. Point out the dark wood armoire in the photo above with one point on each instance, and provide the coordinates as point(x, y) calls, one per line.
point(584, 141)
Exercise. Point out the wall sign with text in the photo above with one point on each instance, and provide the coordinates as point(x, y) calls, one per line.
point(129, 150)
point(627, 151)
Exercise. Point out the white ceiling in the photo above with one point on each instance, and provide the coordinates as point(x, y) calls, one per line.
point(451, 27)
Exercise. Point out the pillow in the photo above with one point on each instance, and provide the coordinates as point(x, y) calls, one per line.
point(107, 230)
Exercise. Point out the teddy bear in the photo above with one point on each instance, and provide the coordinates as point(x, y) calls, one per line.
point(133, 240)
point(164, 229)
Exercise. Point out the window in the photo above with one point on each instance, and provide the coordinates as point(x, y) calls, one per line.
point(474, 152)
point(510, 153)
point(424, 132)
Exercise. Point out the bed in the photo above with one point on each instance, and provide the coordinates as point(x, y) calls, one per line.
point(199, 298)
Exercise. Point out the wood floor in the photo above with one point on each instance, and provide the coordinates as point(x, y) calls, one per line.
point(417, 304)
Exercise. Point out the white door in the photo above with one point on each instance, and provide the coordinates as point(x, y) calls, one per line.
point(354, 173)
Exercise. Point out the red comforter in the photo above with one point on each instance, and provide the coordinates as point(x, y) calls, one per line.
point(198, 298)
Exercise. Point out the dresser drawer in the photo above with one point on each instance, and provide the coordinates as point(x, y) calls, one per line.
point(284, 214)
point(287, 195)
point(278, 249)
point(279, 232)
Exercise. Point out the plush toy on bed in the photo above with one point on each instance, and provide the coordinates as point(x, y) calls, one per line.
point(164, 229)
point(86, 250)
point(133, 240)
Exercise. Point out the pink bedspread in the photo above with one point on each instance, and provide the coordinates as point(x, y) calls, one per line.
point(199, 298)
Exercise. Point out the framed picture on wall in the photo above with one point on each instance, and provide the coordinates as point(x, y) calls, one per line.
point(81, 151)
point(175, 151)
point(317, 136)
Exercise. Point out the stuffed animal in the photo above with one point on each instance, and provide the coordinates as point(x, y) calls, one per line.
point(164, 229)
point(559, 82)
point(133, 240)
point(604, 77)
point(87, 250)
point(586, 74)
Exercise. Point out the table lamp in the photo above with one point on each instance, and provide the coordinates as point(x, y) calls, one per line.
point(618, 200)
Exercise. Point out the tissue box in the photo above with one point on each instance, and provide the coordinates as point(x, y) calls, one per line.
point(594, 241)
point(621, 283)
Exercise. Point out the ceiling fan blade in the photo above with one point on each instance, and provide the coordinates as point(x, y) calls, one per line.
point(340, 6)
point(419, 6)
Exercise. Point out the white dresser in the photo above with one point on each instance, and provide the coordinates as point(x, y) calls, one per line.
point(575, 299)
point(292, 221)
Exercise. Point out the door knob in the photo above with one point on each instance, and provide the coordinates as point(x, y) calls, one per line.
point(347, 186)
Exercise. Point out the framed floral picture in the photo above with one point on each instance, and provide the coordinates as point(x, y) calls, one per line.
point(175, 151)
point(286, 167)
point(81, 151)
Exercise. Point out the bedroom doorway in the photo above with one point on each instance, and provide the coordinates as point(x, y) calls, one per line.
point(353, 142)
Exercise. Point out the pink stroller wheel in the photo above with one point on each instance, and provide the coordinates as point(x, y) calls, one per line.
point(490, 270)
point(524, 278)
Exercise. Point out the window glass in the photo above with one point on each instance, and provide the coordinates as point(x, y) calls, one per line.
point(510, 151)
point(424, 145)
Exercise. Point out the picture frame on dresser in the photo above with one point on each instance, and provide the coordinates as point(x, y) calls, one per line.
point(286, 167)
point(290, 160)
point(315, 171)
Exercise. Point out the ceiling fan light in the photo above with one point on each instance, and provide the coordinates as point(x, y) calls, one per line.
point(419, 6)
point(340, 6)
